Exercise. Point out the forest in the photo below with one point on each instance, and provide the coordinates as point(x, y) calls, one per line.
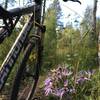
point(71, 54)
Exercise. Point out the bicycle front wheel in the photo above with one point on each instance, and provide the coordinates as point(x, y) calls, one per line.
point(27, 76)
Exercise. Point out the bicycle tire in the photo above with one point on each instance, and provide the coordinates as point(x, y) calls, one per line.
point(20, 73)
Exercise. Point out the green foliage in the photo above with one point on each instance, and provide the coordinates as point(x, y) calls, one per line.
point(68, 45)
point(86, 23)
point(67, 40)
point(89, 52)
point(50, 39)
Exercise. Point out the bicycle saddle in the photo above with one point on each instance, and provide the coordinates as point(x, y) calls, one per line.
point(73, 1)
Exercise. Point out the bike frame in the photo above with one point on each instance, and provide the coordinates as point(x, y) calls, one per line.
point(14, 52)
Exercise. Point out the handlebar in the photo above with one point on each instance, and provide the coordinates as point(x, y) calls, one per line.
point(17, 11)
point(13, 14)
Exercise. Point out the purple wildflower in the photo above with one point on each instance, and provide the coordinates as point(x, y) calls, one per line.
point(89, 73)
point(47, 81)
point(66, 83)
point(48, 91)
point(48, 88)
point(82, 80)
point(58, 81)
point(66, 72)
point(59, 75)
point(59, 69)
point(60, 93)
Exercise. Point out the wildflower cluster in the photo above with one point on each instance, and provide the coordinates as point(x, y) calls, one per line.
point(84, 76)
point(61, 81)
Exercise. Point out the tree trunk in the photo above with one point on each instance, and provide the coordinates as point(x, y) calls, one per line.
point(6, 4)
point(99, 49)
point(94, 16)
point(94, 33)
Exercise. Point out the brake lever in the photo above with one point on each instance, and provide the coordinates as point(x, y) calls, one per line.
point(73, 1)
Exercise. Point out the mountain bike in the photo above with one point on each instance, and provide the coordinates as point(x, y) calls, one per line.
point(28, 74)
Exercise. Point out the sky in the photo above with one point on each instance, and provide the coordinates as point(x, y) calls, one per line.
point(76, 6)
point(80, 9)
point(70, 9)
point(74, 9)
